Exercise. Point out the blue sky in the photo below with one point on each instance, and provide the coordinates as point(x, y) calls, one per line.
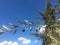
point(13, 10)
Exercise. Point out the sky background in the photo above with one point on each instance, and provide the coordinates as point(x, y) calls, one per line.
point(13, 10)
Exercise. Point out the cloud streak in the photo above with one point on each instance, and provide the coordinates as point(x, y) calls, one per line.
point(35, 41)
point(24, 40)
point(8, 43)
point(21, 40)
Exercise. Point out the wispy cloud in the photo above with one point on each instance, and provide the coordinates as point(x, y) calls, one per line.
point(8, 43)
point(36, 41)
point(24, 41)
point(20, 40)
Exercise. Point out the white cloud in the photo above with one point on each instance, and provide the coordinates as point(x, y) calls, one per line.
point(2, 44)
point(5, 42)
point(15, 43)
point(24, 40)
point(8, 43)
point(35, 41)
